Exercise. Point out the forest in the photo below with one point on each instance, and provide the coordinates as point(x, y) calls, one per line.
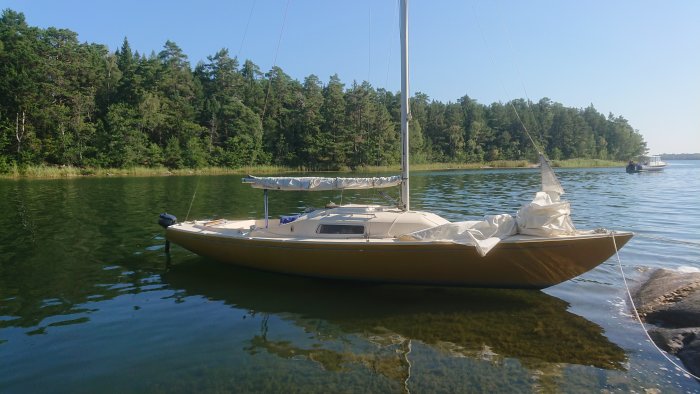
point(67, 103)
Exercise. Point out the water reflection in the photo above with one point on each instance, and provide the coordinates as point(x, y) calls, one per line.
point(480, 324)
point(81, 265)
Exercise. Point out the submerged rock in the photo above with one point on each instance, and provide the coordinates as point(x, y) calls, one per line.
point(672, 340)
point(671, 301)
point(690, 354)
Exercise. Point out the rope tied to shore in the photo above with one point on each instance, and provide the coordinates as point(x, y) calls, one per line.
point(639, 319)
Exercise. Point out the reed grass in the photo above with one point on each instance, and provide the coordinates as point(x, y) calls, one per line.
point(587, 163)
point(59, 172)
point(449, 166)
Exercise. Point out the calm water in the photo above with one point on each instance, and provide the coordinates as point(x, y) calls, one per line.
point(87, 304)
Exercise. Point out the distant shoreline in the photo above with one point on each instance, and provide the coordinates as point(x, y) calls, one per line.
point(69, 172)
point(680, 156)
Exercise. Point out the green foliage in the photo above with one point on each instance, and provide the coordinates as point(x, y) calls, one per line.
point(75, 104)
point(172, 154)
point(122, 145)
point(194, 156)
point(5, 166)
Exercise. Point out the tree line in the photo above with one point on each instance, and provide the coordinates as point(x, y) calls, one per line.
point(63, 102)
point(680, 156)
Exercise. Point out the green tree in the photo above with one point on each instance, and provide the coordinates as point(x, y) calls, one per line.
point(334, 129)
point(127, 85)
point(21, 71)
point(252, 89)
point(172, 154)
point(123, 145)
point(66, 102)
point(360, 117)
point(195, 156)
point(176, 90)
point(419, 118)
point(308, 124)
point(242, 135)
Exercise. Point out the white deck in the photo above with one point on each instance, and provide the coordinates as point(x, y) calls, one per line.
point(383, 225)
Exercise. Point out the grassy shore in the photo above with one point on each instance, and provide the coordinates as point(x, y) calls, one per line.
point(587, 163)
point(56, 172)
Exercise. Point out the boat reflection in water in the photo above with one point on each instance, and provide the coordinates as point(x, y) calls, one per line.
point(391, 330)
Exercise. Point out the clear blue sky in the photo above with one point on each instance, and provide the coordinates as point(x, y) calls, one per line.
point(635, 58)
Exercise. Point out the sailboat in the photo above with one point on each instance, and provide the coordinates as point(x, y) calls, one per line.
point(538, 248)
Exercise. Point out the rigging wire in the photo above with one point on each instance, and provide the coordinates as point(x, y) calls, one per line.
point(369, 43)
point(245, 32)
point(240, 48)
point(516, 64)
point(522, 83)
point(274, 62)
point(394, 33)
point(493, 64)
point(636, 313)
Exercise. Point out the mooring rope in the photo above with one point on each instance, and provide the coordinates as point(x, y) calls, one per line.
point(639, 319)
point(199, 178)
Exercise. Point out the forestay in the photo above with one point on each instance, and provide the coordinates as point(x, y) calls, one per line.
point(320, 183)
point(546, 216)
point(550, 182)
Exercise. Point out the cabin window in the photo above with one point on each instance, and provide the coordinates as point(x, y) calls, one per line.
point(341, 229)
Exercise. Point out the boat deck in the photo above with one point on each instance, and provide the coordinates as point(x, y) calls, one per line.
point(241, 229)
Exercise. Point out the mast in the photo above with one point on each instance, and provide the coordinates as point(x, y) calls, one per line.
point(405, 116)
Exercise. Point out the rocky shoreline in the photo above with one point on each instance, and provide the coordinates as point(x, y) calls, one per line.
point(670, 301)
